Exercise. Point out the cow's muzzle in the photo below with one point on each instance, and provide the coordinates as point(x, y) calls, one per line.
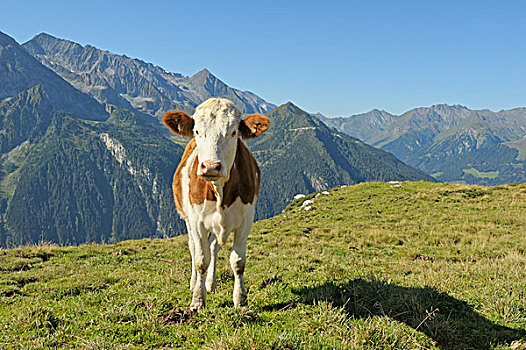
point(210, 170)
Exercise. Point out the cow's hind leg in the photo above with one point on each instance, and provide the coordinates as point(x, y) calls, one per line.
point(211, 273)
point(202, 261)
point(238, 258)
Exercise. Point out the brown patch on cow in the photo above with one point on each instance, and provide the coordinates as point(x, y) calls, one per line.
point(200, 189)
point(176, 316)
point(253, 126)
point(245, 178)
point(176, 185)
point(179, 122)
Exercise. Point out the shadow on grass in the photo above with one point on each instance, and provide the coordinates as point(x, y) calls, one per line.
point(451, 323)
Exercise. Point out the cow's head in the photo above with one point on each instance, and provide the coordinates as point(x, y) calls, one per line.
point(216, 126)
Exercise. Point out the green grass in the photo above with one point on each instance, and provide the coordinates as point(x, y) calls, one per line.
point(519, 145)
point(372, 266)
point(481, 174)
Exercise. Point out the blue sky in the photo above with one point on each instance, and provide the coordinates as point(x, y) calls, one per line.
point(334, 57)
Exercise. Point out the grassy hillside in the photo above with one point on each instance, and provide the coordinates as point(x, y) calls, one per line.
point(372, 266)
point(300, 154)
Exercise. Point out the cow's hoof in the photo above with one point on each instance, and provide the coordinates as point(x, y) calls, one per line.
point(196, 305)
point(211, 286)
point(241, 301)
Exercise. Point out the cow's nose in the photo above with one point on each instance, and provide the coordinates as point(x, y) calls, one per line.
point(209, 168)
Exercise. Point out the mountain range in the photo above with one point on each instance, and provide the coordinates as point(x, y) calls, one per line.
point(452, 143)
point(134, 84)
point(80, 161)
point(19, 71)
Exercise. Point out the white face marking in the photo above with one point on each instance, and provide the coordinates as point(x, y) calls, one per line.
point(216, 132)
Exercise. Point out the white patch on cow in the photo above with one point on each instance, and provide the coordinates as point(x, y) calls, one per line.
point(207, 223)
point(230, 219)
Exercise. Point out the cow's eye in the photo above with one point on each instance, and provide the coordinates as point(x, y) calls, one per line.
point(234, 133)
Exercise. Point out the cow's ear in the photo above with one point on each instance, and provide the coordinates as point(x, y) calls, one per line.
point(179, 122)
point(253, 126)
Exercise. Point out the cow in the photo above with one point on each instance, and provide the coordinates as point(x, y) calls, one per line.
point(216, 186)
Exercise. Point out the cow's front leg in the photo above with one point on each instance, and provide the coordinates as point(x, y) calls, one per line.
point(202, 261)
point(191, 247)
point(211, 273)
point(238, 258)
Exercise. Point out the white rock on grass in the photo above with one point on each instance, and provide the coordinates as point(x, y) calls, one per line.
point(325, 192)
point(298, 196)
point(308, 207)
point(307, 202)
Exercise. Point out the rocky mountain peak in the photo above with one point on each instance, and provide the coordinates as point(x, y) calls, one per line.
point(6, 40)
point(20, 71)
point(292, 108)
point(132, 83)
point(203, 77)
point(203, 72)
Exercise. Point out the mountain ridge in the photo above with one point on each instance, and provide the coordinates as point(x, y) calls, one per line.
point(133, 83)
point(20, 71)
point(448, 140)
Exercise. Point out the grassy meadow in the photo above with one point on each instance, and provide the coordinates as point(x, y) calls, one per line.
point(370, 266)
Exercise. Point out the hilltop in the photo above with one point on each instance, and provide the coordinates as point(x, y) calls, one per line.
point(300, 154)
point(407, 265)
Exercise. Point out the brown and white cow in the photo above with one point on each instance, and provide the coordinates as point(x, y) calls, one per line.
point(216, 186)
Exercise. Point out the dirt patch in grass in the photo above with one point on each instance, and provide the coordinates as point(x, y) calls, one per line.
point(469, 193)
point(176, 316)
